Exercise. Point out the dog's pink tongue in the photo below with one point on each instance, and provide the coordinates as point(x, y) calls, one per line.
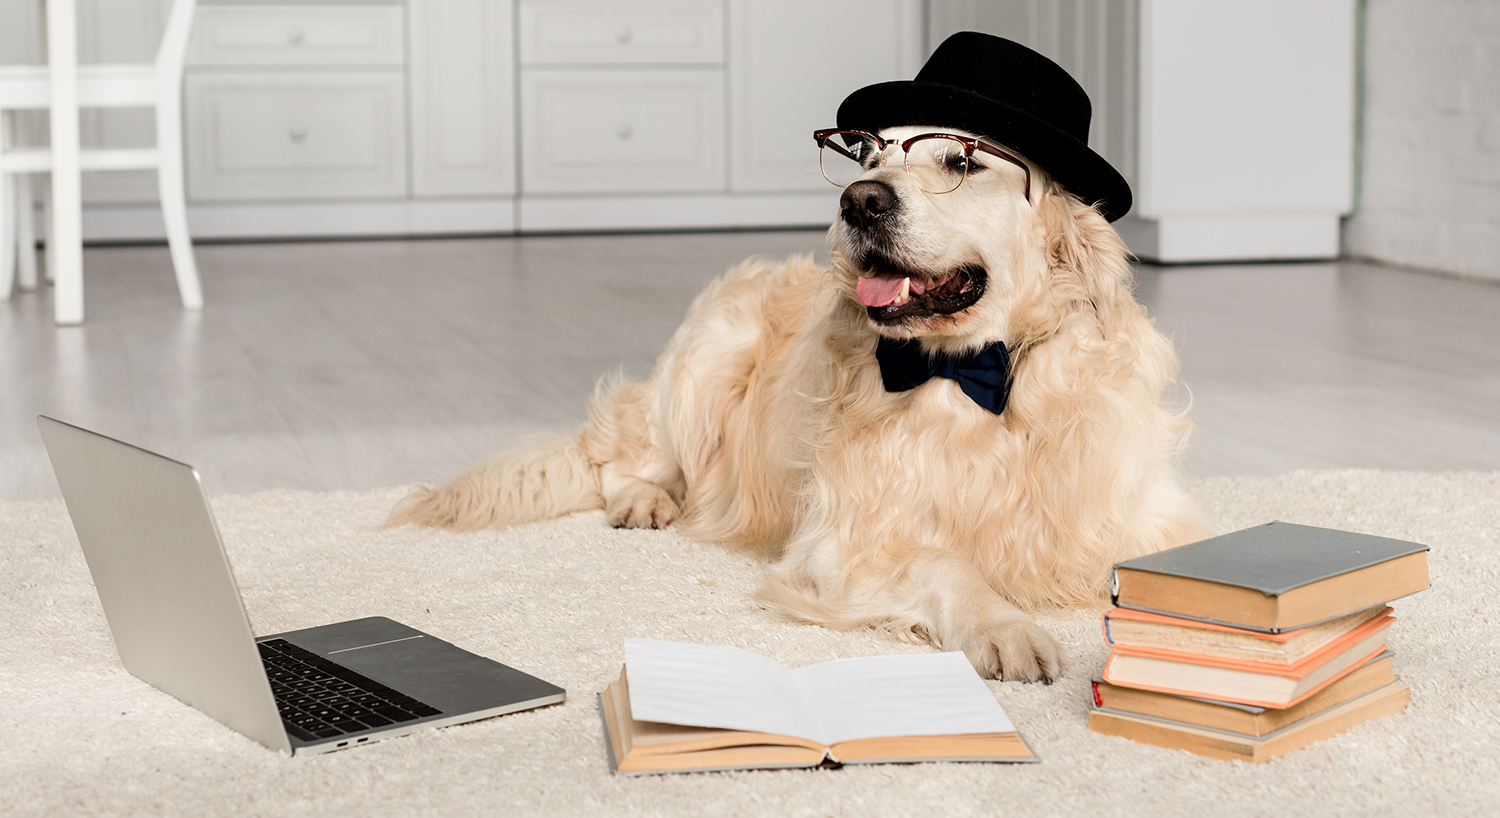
point(880, 290)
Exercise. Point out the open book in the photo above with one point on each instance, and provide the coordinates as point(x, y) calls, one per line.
point(679, 708)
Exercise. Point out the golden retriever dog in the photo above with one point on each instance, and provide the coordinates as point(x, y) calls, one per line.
point(771, 423)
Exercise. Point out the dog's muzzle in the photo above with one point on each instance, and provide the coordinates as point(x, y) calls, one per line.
point(890, 292)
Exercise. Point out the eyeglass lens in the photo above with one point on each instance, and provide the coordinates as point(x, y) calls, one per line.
point(936, 164)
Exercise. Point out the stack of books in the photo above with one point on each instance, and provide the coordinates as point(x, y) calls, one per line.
point(1256, 643)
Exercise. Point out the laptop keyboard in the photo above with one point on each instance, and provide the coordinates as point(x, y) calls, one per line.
point(321, 699)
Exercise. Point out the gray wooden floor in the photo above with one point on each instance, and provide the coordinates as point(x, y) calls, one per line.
point(363, 364)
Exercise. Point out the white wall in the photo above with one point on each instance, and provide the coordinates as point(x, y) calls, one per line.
point(1233, 122)
point(1430, 187)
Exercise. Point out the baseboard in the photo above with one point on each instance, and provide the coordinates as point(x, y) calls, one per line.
point(1168, 240)
point(1186, 239)
point(541, 214)
point(210, 222)
point(437, 217)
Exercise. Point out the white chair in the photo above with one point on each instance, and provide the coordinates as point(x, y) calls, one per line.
point(63, 86)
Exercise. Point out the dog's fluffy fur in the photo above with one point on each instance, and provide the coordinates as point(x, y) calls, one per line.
point(765, 425)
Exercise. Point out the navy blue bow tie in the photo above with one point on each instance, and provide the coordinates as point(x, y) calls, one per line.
point(983, 375)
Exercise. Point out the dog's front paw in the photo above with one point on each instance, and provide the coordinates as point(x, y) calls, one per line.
point(641, 505)
point(1012, 648)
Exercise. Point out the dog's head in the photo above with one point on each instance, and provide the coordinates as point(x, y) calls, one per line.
point(948, 267)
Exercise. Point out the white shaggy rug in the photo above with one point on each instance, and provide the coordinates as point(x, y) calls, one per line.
point(80, 736)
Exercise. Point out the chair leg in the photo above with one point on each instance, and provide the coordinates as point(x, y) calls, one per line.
point(65, 252)
point(25, 232)
point(20, 220)
point(169, 179)
point(9, 218)
point(49, 265)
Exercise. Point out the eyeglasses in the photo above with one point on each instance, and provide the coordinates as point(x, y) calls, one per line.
point(936, 162)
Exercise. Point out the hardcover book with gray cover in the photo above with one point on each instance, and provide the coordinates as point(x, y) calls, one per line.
point(1288, 575)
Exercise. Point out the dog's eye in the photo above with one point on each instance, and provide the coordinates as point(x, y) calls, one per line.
point(951, 158)
point(862, 151)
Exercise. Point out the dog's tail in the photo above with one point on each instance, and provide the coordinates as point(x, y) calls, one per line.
point(546, 478)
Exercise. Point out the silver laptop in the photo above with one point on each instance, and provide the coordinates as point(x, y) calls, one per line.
point(174, 609)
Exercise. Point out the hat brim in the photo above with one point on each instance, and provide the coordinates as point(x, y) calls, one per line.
point(913, 102)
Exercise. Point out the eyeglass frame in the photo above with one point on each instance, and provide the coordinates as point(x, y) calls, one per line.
point(970, 144)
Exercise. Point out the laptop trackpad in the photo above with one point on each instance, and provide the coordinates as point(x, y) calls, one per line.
point(421, 666)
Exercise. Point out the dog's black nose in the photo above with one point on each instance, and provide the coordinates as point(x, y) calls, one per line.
point(865, 203)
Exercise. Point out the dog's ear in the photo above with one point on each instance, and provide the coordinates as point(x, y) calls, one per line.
point(1087, 262)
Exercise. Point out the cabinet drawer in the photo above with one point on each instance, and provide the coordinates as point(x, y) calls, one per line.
point(298, 35)
point(296, 136)
point(622, 131)
point(649, 31)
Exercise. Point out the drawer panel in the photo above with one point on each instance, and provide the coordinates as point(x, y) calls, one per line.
point(298, 35)
point(296, 136)
point(592, 33)
point(622, 131)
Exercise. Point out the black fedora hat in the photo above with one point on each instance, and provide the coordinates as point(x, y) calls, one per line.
point(1003, 90)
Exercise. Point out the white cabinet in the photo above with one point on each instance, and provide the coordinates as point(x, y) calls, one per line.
point(358, 117)
point(663, 113)
point(307, 102)
point(285, 36)
point(296, 102)
point(462, 75)
point(1246, 129)
point(296, 136)
point(641, 131)
point(636, 32)
point(786, 65)
point(622, 97)
point(794, 62)
point(1234, 123)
